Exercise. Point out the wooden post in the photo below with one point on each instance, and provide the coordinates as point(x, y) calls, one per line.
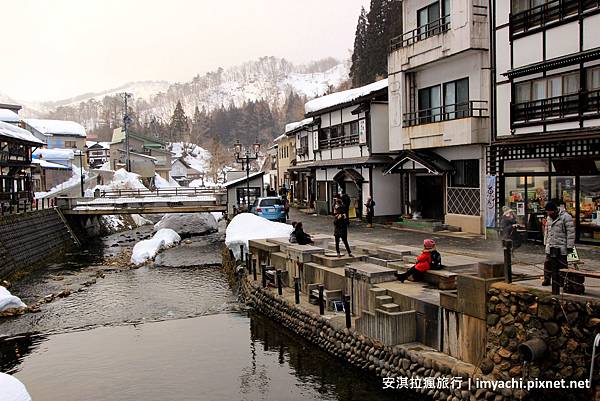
point(263, 273)
point(249, 262)
point(242, 253)
point(253, 264)
point(297, 289)
point(347, 311)
point(555, 265)
point(279, 287)
point(321, 304)
point(507, 260)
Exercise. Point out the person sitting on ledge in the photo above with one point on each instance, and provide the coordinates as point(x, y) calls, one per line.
point(302, 238)
point(429, 258)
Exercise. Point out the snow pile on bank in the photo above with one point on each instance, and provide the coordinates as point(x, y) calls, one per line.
point(75, 180)
point(12, 389)
point(140, 221)
point(247, 226)
point(122, 179)
point(147, 249)
point(9, 301)
point(160, 182)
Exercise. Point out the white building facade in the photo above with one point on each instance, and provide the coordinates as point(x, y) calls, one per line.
point(343, 147)
point(439, 84)
point(546, 130)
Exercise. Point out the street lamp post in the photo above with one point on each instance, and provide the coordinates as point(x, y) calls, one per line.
point(245, 156)
point(81, 168)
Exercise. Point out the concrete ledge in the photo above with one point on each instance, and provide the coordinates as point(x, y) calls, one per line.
point(470, 224)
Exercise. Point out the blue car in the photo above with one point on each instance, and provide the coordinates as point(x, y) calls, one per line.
point(271, 208)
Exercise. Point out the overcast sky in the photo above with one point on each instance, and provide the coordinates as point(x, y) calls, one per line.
point(62, 48)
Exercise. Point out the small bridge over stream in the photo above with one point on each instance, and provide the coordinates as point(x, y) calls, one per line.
point(143, 201)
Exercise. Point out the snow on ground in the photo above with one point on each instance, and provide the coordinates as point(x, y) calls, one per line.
point(247, 226)
point(140, 221)
point(12, 389)
point(342, 97)
point(160, 182)
point(9, 301)
point(71, 182)
point(148, 249)
point(217, 215)
point(122, 179)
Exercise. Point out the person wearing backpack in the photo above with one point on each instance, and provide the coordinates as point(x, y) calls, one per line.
point(425, 261)
point(302, 238)
point(559, 239)
point(370, 205)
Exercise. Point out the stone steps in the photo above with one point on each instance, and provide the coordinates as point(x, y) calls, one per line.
point(383, 300)
point(391, 307)
point(442, 279)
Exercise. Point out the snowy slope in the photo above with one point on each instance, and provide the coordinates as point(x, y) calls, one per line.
point(141, 89)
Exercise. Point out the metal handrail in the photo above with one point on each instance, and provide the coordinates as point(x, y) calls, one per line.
point(573, 104)
point(423, 32)
point(472, 108)
point(548, 12)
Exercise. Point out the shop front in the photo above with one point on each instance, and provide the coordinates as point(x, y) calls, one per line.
point(572, 183)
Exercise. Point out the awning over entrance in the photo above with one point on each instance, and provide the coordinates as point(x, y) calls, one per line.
point(421, 161)
point(351, 174)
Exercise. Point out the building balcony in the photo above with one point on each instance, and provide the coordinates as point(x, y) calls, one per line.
point(537, 17)
point(563, 108)
point(464, 29)
point(452, 125)
point(420, 33)
point(472, 108)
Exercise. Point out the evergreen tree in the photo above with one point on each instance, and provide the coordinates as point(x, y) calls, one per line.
point(359, 56)
point(371, 43)
point(179, 124)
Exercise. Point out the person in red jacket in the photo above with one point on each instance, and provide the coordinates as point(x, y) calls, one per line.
point(423, 262)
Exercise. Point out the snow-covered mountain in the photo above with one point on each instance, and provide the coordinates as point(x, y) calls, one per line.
point(142, 89)
point(268, 78)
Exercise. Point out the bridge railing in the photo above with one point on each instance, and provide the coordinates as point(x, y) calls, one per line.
point(161, 192)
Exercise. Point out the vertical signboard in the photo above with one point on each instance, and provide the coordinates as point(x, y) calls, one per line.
point(362, 131)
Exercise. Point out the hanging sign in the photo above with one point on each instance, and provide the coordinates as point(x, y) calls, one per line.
point(362, 131)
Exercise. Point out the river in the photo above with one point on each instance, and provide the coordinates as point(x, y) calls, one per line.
point(162, 333)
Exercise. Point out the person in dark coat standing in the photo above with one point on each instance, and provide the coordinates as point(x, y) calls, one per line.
point(340, 225)
point(370, 205)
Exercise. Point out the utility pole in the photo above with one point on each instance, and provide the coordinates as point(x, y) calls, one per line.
point(126, 122)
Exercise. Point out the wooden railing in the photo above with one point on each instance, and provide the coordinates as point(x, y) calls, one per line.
point(338, 142)
point(576, 104)
point(548, 12)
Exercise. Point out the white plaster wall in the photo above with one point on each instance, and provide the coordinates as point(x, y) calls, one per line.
point(502, 53)
point(562, 126)
point(387, 192)
point(591, 37)
point(503, 95)
point(563, 39)
point(379, 128)
point(528, 50)
point(502, 11)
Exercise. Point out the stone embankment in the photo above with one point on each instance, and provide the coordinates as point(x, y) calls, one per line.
point(566, 326)
point(441, 377)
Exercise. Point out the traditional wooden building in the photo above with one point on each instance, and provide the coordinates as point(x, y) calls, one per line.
point(15, 164)
point(546, 125)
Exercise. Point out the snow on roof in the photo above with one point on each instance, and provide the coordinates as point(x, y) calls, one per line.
point(343, 97)
point(8, 116)
point(53, 127)
point(298, 124)
point(12, 131)
point(279, 138)
point(252, 175)
point(53, 154)
point(46, 164)
point(104, 145)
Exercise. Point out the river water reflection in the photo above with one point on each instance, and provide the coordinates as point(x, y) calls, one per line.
point(167, 334)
